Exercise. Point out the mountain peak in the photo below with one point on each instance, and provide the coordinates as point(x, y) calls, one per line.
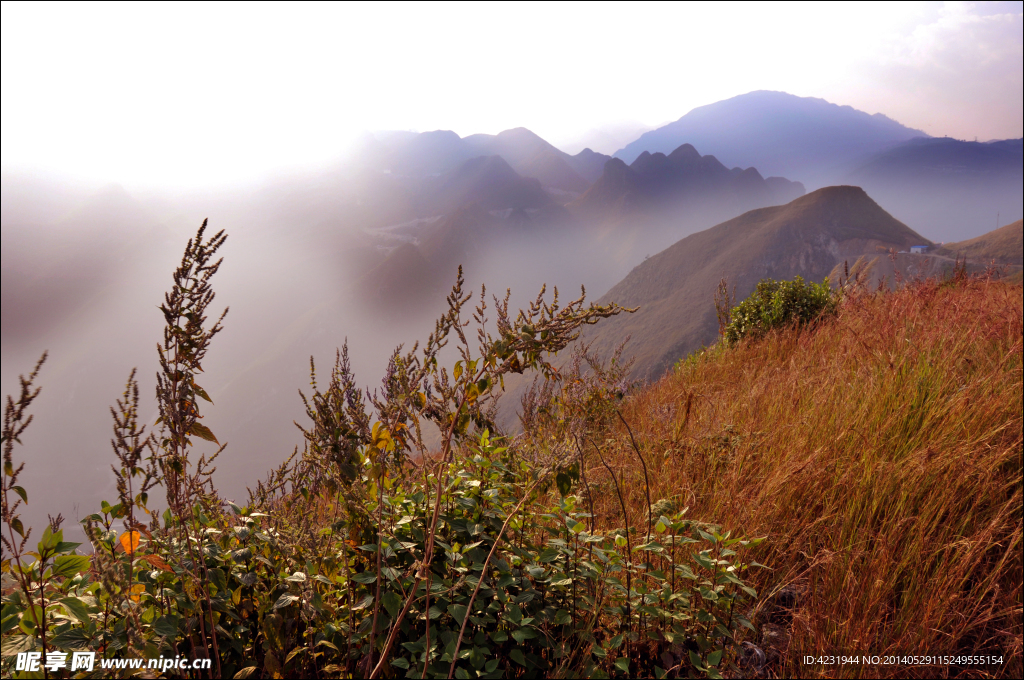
point(675, 288)
point(686, 151)
point(802, 138)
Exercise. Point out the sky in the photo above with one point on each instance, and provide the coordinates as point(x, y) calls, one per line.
point(207, 95)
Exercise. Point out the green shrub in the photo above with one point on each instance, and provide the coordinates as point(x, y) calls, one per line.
point(776, 304)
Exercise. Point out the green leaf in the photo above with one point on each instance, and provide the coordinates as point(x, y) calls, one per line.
point(76, 608)
point(21, 492)
point(695, 660)
point(71, 638)
point(167, 626)
point(201, 392)
point(715, 656)
point(203, 432)
point(285, 600)
point(31, 618)
point(392, 603)
point(703, 561)
point(523, 634)
point(69, 566)
point(458, 611)
point(564, 483)
point(517, 656)
point(50, 539)
point(401, 662)
point(16, 644)
point(622, 663)
point(10, 621)
point(365, 577)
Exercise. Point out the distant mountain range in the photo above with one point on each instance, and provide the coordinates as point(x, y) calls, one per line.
point(629, 211)
point(803, 138)
point(678, 180)
point(416, 155)
point(947, 188)
point(675, 289)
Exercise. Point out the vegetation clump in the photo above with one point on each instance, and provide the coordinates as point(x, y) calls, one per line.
point(776, 304)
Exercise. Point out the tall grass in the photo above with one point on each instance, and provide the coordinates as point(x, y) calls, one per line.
point(879, 453)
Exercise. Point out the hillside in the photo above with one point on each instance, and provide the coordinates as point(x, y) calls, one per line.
point(1004, 245)
point(880, 456)
point(948, 189)
point(675, 288)
point(803, 138)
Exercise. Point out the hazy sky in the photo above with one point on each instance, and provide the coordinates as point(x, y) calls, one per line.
point(181, 95)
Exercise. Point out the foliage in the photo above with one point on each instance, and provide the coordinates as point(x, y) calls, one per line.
point(369, 553)
point(776, 304)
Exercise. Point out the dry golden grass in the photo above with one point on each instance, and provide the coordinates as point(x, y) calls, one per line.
point(881, 455)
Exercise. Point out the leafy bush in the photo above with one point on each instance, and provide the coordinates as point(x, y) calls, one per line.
point(368, 554)
point(776, 304)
